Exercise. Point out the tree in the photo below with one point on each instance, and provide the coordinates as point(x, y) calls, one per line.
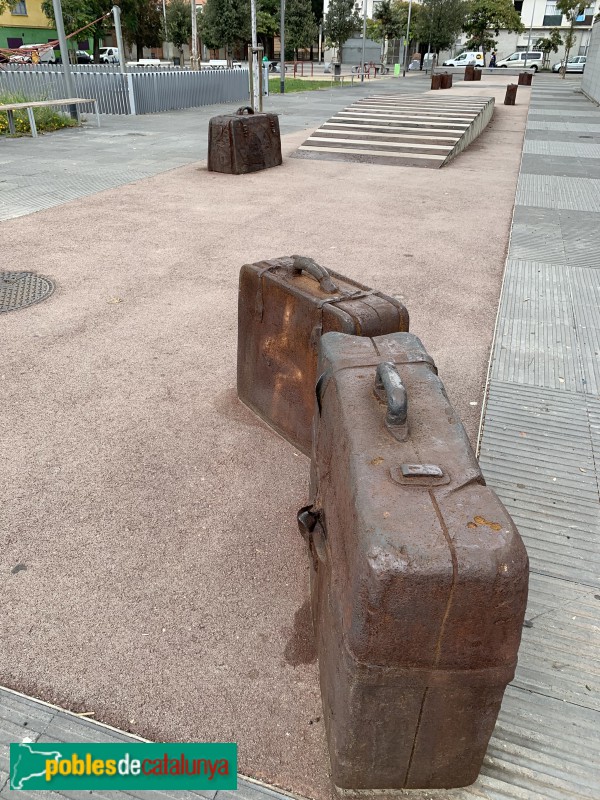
point(440, 22)
point(267, 23)
point(300, 25)
point(142, 24)
point(341, 21)
point(7, 5)
point(225, 22)
point(390, 23)
point(549, 44)
point(485, 17)
point(77, 13)
point(571, 9)
point(179, 24)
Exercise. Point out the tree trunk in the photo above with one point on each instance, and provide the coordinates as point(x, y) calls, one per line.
point(96, 49)
point(139, 49)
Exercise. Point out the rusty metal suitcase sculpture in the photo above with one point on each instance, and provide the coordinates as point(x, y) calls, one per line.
point(284, 306)
point(243, 142)
point(418, 577)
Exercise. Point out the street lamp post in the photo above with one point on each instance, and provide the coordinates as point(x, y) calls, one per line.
point(407, 38)
point(282, 47)
point(362, 63)
point(529, 37)
point(64, 52)
point(194, 54)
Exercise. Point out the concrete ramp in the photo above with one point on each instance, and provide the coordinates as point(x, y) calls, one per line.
point(400, 130)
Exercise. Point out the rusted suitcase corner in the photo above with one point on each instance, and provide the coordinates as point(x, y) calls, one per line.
point(418, 574)
point(284, 306)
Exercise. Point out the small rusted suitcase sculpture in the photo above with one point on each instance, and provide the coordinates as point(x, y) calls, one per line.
point(284, 305)
point(243, 142)
point(418, 578)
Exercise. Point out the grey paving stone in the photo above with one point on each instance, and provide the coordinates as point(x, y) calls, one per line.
point(550, 191)
point(570, 149)
point(561, 166)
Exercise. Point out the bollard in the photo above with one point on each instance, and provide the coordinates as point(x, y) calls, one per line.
point(477, 74)
point(436, 81)
point(446, 82)
point(470, 73)
point(511, 94)
point(525, 78)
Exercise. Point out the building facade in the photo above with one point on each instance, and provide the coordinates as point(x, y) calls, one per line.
point(26, 23)
point(539, 17)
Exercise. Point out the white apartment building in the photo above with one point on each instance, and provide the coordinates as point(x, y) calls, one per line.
point(539, 17)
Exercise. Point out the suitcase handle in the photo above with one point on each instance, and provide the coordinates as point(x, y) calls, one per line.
point(244, 109)
point(389, 388)
point(319, 273)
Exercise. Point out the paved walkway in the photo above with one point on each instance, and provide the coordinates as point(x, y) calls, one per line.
point(538, 449)
point(127, 149)
point(25, 720)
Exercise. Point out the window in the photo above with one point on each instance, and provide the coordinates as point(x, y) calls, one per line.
point(20, 10)
point(518, 4)
point(514, 57)
point(553, 16)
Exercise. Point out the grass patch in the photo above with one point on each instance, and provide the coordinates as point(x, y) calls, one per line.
point(299, 85)
point(46, 119)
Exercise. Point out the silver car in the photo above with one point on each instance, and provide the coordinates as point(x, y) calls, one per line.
point(574, 64)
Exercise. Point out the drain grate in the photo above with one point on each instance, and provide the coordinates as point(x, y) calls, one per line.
point(22, 289)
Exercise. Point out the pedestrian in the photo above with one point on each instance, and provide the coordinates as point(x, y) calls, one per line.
point(493, 59)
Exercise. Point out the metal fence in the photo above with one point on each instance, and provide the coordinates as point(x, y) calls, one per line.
point(152, 91)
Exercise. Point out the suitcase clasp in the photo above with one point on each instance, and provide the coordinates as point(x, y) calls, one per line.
point(390, 389)
point(311, 529)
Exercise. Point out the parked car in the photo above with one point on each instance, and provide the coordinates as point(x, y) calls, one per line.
point(83, 57)
point(464, 59)
point(574, 64)
point(24, 56)
point(534, 60)
point(109, 55)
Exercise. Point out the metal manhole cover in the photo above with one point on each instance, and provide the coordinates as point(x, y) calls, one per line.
point(22, 289)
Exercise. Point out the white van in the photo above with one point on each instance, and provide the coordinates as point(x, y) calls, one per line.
point(535, 60)
point(109, 55)
point(464, 59)
point(24, 54)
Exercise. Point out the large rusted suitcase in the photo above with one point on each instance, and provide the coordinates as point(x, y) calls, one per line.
point(419, 576)
point(284, 305)
point(243, 142)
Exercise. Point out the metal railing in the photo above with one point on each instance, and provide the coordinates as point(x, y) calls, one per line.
point(153, 91)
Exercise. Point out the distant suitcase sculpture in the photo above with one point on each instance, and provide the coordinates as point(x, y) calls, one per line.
point(243, 142)
point(418, 577)
point(284, 306)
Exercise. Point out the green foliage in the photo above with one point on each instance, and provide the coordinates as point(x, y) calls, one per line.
point(225, 22)
point(267, 17)
point(485, 17)
point(77, 13)
point(299, 85)
point(571, 9)
point(440, 22)
point(549, 44)
point(142, 23)
point(179, 22)
point(46, 119)
point(6, 5)
point(300, 26)
point(390, 18)
point(341, 21)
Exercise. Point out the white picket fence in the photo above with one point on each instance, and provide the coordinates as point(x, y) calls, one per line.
point(146, 92)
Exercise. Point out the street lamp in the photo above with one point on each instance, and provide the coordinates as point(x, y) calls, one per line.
point(407, 35)
point(529, 37)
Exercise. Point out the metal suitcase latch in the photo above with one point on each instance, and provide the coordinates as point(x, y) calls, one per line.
point(419, 475)
point(421, 471)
